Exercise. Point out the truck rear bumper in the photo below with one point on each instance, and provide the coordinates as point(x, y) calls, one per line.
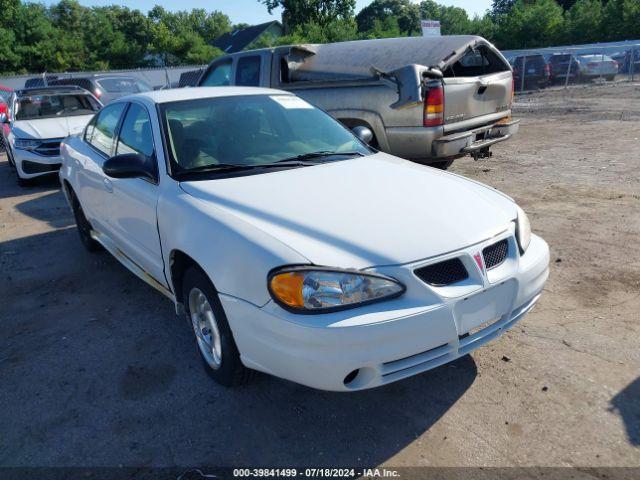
point(429, 144)
point(474, 140)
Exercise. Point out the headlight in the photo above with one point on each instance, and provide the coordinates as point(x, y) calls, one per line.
point(317, 289)
point(26, 144)
point(523, 231)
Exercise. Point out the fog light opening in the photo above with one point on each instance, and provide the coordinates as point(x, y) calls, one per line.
point(351, 377)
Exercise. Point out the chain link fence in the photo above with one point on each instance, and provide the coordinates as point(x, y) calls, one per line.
point(572, 65)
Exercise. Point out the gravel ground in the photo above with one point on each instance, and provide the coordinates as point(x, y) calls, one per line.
point(96, 369)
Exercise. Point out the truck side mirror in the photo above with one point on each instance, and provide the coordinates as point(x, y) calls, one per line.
point(363, 133)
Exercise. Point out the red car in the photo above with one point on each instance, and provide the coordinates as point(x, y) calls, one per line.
point(4, 97)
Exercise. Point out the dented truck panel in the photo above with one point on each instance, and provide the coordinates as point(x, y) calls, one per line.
point(383, 84)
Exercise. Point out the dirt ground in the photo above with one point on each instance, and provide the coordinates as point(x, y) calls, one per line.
point(96, 370)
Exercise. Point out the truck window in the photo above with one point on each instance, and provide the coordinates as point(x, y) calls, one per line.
point(248, 71)
point(219, 75)
point(481, 61)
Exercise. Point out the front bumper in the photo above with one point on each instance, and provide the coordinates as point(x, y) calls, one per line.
point(395, 339)
point(31, 165)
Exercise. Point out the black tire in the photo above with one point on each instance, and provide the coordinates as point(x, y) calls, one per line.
point(84, 227)
point(611, 78)
point(12, 164)
point(23, 182)
point(230, 372)
point(441, 165)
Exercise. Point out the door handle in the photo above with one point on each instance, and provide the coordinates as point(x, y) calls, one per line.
point(108, 185)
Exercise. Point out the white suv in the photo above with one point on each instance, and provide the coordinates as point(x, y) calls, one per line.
point(39, 119)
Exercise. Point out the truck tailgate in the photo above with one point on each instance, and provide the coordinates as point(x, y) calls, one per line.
point(467, 98)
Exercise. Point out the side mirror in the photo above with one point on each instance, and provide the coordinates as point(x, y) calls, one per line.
point(128, 165)
point(363, 133)
point(4, 118)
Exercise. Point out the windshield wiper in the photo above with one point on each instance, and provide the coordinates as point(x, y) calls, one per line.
point(236, 167)
point(320, 154)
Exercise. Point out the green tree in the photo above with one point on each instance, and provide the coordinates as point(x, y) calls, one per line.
point(377, 13)
point(583, 22)
point(621, 20)
point(321, 12)
point(453, 20)
point(537, 23)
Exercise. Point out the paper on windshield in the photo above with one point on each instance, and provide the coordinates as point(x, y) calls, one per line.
point(290, 101)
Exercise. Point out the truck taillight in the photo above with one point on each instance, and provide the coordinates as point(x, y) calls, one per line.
point(434, 107)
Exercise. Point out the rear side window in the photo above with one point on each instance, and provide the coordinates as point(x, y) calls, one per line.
point(135, 134)
point(248, 71)
point(101, 132)
point(219, 75)
point(480, 61)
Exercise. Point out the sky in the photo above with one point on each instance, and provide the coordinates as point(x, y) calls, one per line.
point(251, 11)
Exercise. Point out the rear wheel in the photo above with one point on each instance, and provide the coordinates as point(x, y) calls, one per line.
point(214, 339)
point(84, 227)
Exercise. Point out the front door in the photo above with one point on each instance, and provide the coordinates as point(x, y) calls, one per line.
point(132, 222)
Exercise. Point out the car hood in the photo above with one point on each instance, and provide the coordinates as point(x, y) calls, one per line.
point(370, 211)
point(50, 127)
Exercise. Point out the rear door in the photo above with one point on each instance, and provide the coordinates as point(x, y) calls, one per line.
point(477, 88)
point(98, 146)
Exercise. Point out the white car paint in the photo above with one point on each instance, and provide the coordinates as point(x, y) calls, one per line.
point(378, 214)
point(41, 129)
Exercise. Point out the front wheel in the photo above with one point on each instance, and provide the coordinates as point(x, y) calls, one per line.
point(215, 341)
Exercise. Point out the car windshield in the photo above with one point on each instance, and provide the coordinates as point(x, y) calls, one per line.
point(252, 131)
point(4, 95)
point(31, 107)
point(123, 85)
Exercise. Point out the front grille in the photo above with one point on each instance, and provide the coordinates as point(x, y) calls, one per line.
point(49, 148)
point(443, 273)
point(495, 254)
point(32, 167)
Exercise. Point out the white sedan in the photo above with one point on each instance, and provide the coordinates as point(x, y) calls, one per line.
point(38, 120)
point(293, 247)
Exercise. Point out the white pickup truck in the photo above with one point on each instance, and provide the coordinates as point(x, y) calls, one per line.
point(427, 99)
point(284, 239)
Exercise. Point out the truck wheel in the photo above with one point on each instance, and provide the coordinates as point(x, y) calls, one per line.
point(84, 227)
point(441, 165)
point(214, 339)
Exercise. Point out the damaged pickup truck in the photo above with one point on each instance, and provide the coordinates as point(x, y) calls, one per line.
point(426, 99)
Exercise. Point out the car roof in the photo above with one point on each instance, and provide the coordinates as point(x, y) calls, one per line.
point(179, 94)
point(48, 90)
